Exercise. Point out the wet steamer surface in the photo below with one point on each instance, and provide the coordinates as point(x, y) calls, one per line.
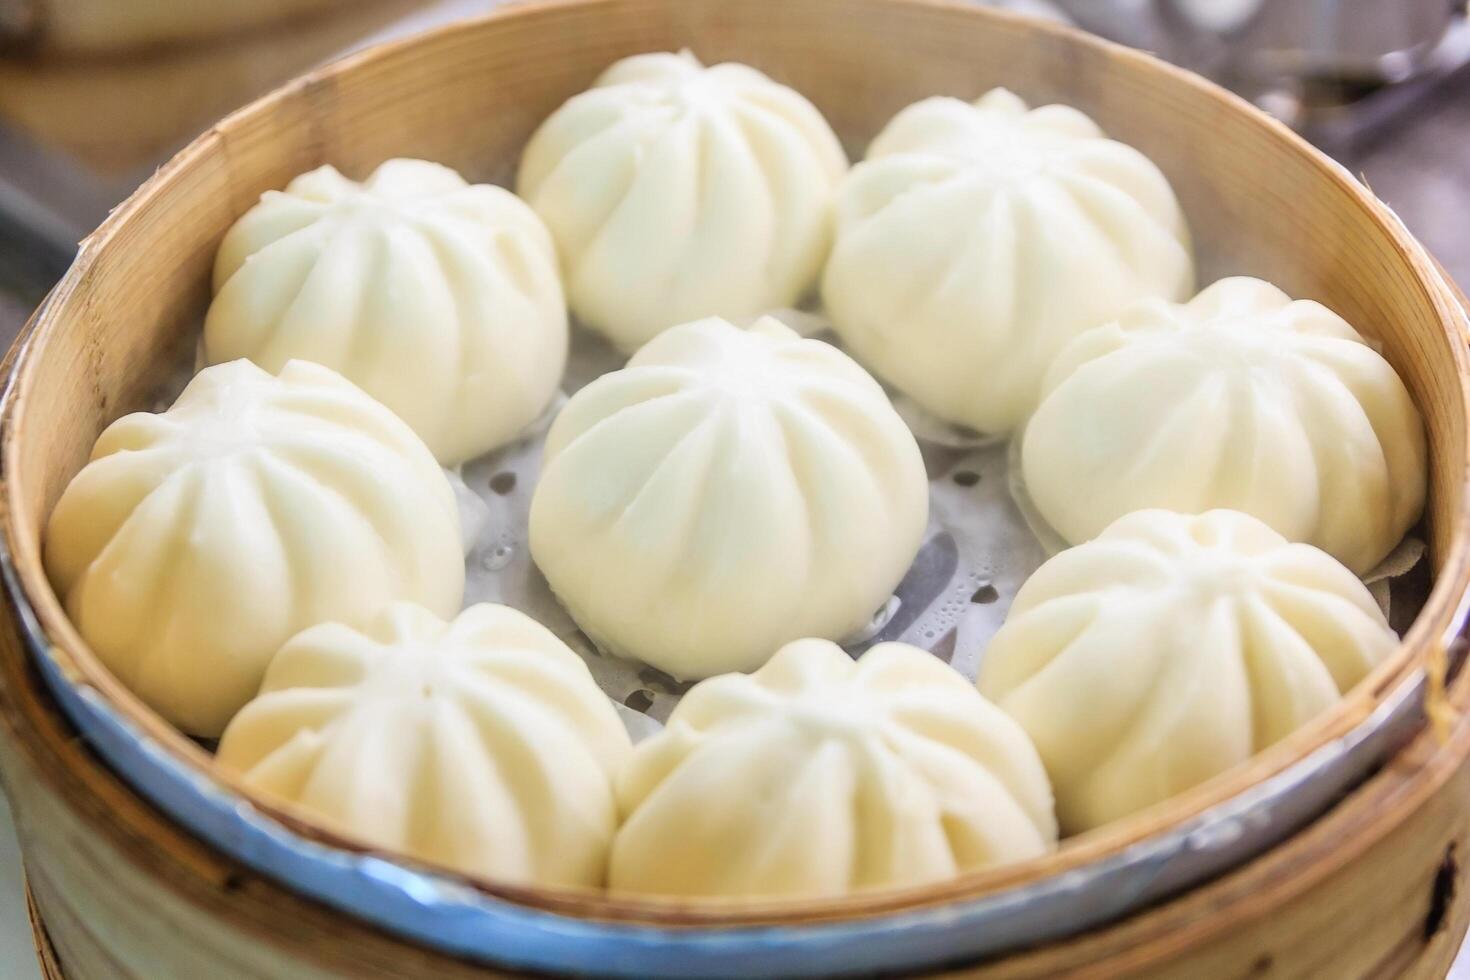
point(982, 543)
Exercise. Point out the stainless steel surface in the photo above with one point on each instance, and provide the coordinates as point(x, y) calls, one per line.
point(1421, 169)
point(1247, 41)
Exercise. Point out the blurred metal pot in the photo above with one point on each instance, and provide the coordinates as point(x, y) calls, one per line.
point(1261, 42)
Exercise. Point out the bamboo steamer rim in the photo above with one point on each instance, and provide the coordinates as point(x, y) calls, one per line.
point(1212, 915)
point(46, 959)
point(1440, 620)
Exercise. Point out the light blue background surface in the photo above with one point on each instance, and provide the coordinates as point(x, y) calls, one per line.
point(17, 953)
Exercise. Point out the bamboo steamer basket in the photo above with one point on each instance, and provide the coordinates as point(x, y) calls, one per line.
point(94, 27)
point(1377, 888)
point(46, 959)
point(1371, 888)
point(116, 114)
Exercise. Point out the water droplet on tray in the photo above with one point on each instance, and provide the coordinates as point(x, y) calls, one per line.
point(881, 618)
point(498, 557)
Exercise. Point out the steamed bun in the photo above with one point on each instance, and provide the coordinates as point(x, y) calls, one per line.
point(1169, 649)
point(726, 492)
point(975, 240)
point(676, 191)
point(1240, 398)
point(481, 744)
point(197, 541)
point(817, 776)
point(439, 298)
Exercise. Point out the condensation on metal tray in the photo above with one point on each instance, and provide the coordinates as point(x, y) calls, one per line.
point(976, 553)
point(982, 543)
